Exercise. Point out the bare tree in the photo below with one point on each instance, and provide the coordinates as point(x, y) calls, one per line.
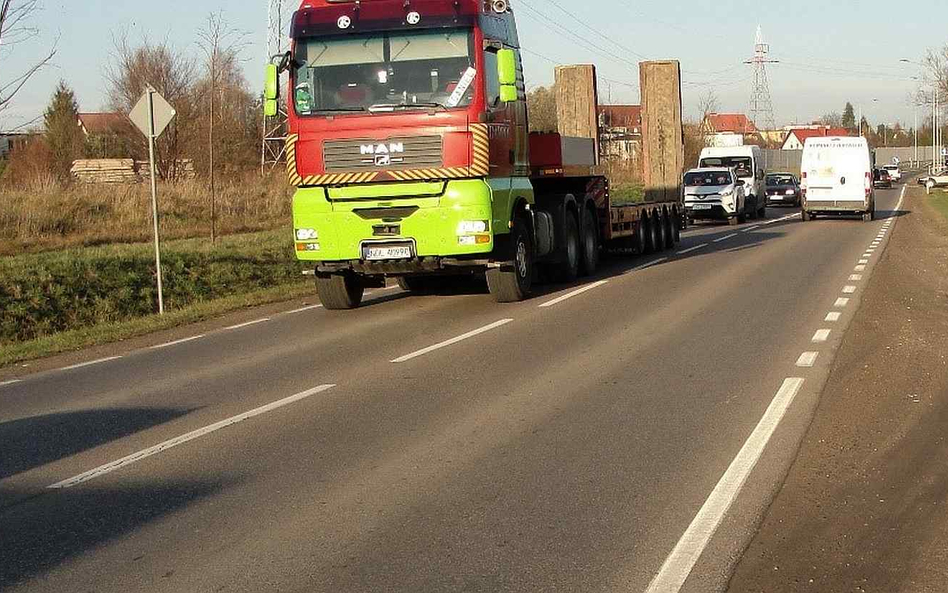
point(707, 105)
point(541, 106)
point(221, 45)
point(171, 73)
point(15, 28)
point(833, 119)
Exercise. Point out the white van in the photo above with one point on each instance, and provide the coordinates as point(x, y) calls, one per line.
point(837, 177)
point(748, 163)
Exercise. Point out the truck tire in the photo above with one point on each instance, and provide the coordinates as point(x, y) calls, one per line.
point(514, 285)
point(340, 291)
point(641, 238)
point(664, 235)
point(589, 254)
point(655, 225)
point(568, 269)
point(806, 216)
point(648, 234)
point(675, 223)
point(762, 212)
point(754, 209)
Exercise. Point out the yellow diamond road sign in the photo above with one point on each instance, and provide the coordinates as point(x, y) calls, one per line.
point(161, 110)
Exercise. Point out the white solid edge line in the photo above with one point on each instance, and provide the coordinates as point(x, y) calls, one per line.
point(821, 335)
point(646, 266)
point(570, 295)
point(445, 343)
point(90, 363)
point(164, 446)
point(724, 238)
point(841, 302)
point(176, 342)
point(833, 316)
point(10, 382)
point(302, 309)
point(849, 289)
point(807, 360)
point(681, 561)
point(248, 324)
point(690, 249)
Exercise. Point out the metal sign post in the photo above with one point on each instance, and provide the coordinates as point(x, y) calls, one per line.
point(151, 115)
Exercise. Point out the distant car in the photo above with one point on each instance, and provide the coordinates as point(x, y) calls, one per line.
point(932, 181)
point(783, 189)
point(880, 178)
point(714, 193)
point(894, 172)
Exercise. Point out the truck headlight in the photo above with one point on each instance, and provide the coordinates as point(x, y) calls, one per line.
point(306, 234)
point(473, 227)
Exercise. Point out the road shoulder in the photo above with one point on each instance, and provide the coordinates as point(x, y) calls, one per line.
point(863, 507)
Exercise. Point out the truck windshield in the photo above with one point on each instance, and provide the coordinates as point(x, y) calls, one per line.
point(743, 166)
point(715, 178)
point(384, 71)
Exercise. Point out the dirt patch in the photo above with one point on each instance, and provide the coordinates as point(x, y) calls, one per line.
point(865, 505)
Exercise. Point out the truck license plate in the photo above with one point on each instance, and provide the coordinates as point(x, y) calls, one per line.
point(385, 252)
point(702, 207)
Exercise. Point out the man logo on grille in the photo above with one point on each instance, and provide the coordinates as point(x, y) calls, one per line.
point(382, 153)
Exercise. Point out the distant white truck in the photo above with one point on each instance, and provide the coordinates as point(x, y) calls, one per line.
point(748, 163)
point(837, 177)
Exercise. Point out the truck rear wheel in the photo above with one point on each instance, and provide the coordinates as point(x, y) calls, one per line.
point(589, 259)
point(654, 235)
point(664, 235)
point(511, 285)
point(675, 226)
point(340, 291)
point(568, 269)
point(641, 237)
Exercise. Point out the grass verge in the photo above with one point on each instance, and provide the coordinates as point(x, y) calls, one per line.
point(45, 294)
point(939, 201)
point(123, 330)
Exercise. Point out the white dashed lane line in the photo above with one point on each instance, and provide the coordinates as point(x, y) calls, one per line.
point(807, 359)
point(570, 295)
point(860, 268)
point(724, 238)
point(849, 289)
point(821, 335)
point(82, 365)
point(9, 382)
point(646, 266)
point(304, 309)
point(833, 316)
point(863, 261)
point(176, 342)
point(164, 446)
point(855, 277)
point(452, 341)
point(695, 248)
point(841, 302)
point(248, 324)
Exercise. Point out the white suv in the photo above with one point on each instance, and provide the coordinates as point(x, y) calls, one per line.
point(895, 174)
point(716, 193)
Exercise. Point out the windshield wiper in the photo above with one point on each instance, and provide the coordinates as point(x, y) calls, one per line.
point(394, 106)
point(340, 110)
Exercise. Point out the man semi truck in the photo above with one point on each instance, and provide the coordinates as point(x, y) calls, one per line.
point(409, 144)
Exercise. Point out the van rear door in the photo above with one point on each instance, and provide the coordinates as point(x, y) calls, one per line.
point(836, 170)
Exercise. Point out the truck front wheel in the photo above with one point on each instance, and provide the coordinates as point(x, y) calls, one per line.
point(340, 291)
point(513, 284)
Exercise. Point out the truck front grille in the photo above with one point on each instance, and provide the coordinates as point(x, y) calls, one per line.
point(353, 156)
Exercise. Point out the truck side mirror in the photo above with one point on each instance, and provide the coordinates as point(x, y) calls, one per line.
point(271, 91)
point(507, 75)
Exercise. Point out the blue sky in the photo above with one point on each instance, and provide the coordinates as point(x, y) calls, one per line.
point(831, 51)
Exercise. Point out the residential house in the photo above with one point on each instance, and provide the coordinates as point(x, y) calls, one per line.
point(796, 137)
point(107, 134)
point(620, 131)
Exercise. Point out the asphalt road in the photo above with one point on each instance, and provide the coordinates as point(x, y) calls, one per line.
point(566, 447)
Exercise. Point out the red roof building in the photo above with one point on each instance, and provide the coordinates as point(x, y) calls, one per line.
point(729, 123)
point(93, 124)
point(796, 138)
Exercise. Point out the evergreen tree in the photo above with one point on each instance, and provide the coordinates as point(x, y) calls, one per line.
point(849, 117)
point(63, 135)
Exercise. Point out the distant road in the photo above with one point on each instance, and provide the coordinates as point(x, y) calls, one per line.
point(444, 443)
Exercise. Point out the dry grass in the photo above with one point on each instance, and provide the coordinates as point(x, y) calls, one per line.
point(46, 215)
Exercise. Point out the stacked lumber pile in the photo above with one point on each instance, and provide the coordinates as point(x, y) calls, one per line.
point(105, 171)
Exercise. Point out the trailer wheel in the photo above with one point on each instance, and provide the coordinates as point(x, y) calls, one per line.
point(641, 238)
point(340, 291)
point(806, 216)
point(589, 259)
point(654, 225)
point(662, 222)
point(671, 226)
point(511, 285)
